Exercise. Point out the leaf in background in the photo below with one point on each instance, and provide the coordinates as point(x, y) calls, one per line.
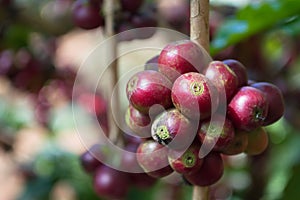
point(252, 19)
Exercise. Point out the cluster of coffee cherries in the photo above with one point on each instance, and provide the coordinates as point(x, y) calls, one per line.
point(88, 14)
point(192, 111)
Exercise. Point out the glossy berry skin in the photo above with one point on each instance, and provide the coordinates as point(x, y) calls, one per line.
point(223, 78)
point(153, 158)
point(275, 100)
point(110, 183)
point(90, 159)
point(194, 95)
point(217, 133)
point(248, 109)
point(147, 88)
point(131, 5)
point(86, 14)
point(185, 162)
point(173, 129)
point(238, 144)
point(138, 122)
point(239, 69)
point(181, 57)
point(258, 141)
point(211, 171)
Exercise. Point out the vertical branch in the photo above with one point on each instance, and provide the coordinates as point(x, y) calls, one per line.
point(199, 20)
point(112, 54)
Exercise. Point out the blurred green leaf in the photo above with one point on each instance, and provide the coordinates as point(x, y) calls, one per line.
point(254, 18)
point(53, 165)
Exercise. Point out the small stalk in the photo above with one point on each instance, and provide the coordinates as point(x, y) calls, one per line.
point(114, 131)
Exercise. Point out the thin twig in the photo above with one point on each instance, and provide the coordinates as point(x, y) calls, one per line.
point(112, 53)
point(200, 34)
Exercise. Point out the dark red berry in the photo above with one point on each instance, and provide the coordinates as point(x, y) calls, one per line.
point(185, 162)
point(216, 133)
point(110, 183)
point(195, 95)
point(275, 100)
point(181, 57)
point(238, 144)
point(173, 129)
point(86, 15)
point(223, 78)
point(153, 158)
point(138, 122)
point(90, 160)
point(211, 171)
point(239, 69)
point(248, 109)
point(131, 5)
point(148, 88)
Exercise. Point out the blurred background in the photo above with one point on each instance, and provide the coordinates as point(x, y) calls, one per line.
point(44, 42)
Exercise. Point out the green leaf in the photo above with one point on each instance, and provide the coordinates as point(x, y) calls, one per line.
point(253, 19)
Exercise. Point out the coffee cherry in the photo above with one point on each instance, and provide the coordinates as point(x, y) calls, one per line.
point(110, 183)
point(185, 162)
point(138, 122)
point(147, 88)
point(239, 69)
point(181, 57)
point(90, 160)
point(257, 141)
point(275, 101)
point(195, 95)
point(86, 15)
point(223, 78)
point(131, 5)
point(211, 171)
point(6, 61)
point(153, 158)
point(248, 109)
point(216, 133)
point(173, 129)
point(238, 144)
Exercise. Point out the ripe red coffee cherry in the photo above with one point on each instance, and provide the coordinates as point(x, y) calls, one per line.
point(86, 14)
point(195, 95)
point(211, 171)
point(110, 183)
point(223, 78)
point(238, 144)
point(239, 69)
point(258, 141)
point(90, 159)
point(275, 100)
point(131, 5)
point(147, 88)
point(248, 109)
point(185, 162)
point(173, 129)
point(181, 57)
point(153, 158)
point(138, 122)
point(216, 133)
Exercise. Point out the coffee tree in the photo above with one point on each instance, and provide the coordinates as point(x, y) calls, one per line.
point(213, 115)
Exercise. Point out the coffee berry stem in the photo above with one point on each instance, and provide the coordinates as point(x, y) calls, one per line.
point(199, 33)
point(114, 131)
